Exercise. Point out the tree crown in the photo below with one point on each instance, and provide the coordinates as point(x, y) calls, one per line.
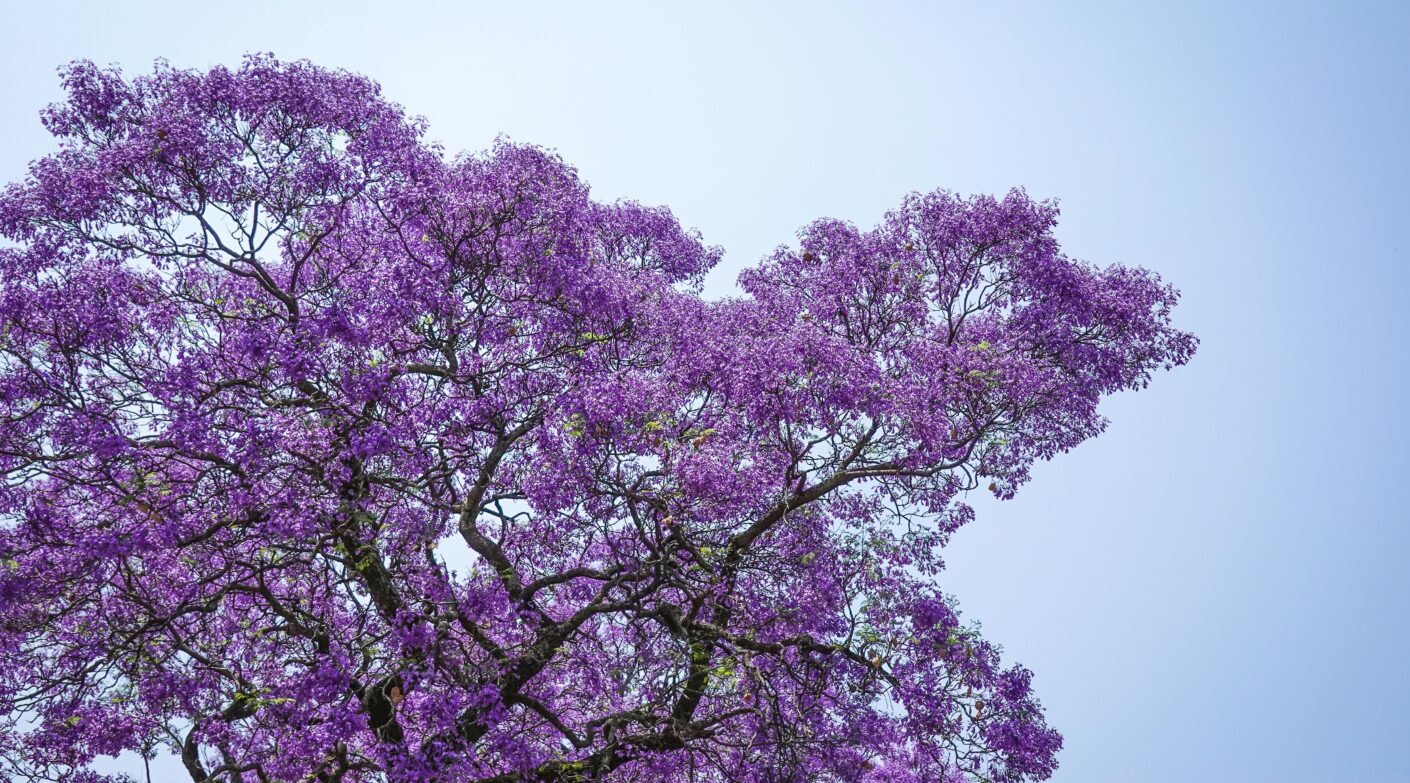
point(329, 457)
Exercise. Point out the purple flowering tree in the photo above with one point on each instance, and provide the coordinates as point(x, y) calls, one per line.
point(328, 457)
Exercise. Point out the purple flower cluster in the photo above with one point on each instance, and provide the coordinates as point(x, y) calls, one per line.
point(269, 360)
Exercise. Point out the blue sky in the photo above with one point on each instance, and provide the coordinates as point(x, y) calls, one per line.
point(1216, 589)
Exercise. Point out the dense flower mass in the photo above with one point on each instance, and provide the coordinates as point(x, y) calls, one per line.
point(330, 457)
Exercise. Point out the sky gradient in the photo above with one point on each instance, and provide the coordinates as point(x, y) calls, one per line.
point(1215, 589)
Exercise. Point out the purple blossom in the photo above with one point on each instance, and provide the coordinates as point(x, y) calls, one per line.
point(267, 356)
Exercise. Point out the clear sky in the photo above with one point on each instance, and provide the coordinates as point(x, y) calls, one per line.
point(1214, 590)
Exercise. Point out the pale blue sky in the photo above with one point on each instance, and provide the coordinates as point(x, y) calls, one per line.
point(1216, 589)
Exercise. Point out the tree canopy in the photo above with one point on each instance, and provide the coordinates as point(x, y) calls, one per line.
point(328, 456)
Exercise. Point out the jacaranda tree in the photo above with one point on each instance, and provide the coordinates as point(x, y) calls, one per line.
point(329, 457)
